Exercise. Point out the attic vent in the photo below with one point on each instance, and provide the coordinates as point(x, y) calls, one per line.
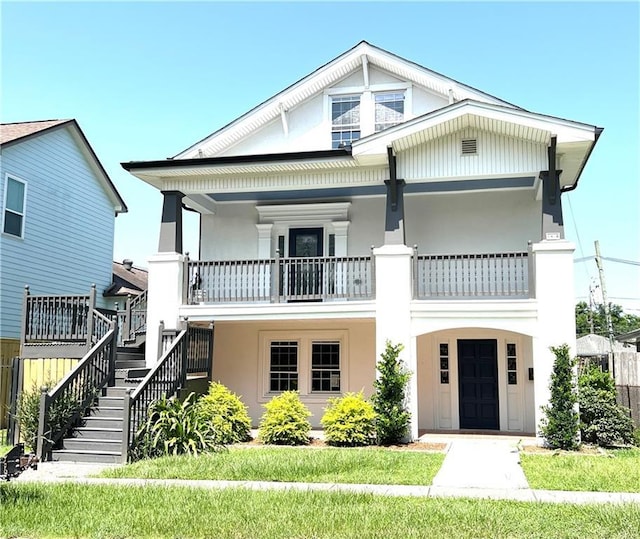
point(469, 146)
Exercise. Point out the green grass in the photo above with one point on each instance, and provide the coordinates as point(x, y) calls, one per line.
point(3, 446)
point(617, 471)
point(72, 510)
point(331, 465)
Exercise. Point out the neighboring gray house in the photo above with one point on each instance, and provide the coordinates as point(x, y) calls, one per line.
point(128, 281)
point(58, 208)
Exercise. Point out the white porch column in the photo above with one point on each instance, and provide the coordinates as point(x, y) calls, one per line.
point(165, 296)
point(553, 266)
point(340, 229)
point(393, 316)
point(264, 240)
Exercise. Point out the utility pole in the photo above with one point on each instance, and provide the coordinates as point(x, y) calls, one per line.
point(607, 310)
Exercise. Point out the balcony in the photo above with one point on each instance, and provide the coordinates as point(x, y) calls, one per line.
point(492, 275)
point(287, 280)
point(280, 280)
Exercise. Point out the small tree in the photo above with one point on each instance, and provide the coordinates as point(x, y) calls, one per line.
point(389, 398)
point(561, 423)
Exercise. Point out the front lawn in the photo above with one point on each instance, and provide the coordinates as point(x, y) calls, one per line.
point(73, 510)
point(615, 471)
point(327, 465)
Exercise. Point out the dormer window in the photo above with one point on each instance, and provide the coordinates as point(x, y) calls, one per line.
point(345, 120)
point(389, 110)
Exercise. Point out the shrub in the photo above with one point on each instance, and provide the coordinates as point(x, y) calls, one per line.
point(285, 420)
point(389, 398)
point(560, 424)
point(226, 414)
point(602, 420)
point(28, 412)
point(349, 421)
point(173, 427)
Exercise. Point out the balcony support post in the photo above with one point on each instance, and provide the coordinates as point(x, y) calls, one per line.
point(171, 224)
point(553, 266)
point(394, 216)
point(552, 222)
point(393, 314)
point(165, 296)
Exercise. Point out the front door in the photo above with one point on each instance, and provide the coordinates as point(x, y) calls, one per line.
point(478, 384)
point(305, 276)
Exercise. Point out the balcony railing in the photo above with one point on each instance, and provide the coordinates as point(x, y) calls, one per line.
point(281, 279)
point(471, 275)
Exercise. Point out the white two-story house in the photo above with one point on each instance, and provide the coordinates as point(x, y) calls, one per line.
point(377, 200)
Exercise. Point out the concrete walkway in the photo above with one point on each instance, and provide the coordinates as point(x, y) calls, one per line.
point(481, 467)
point(481, 462)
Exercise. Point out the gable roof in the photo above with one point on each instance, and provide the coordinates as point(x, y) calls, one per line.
point(362, 54)
point(15, 133)
point(127, 279)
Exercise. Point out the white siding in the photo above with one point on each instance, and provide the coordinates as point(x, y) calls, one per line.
point(68, 237)
point(497, 155)
point(308, 123)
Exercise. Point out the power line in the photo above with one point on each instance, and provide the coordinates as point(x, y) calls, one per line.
point(610, 259)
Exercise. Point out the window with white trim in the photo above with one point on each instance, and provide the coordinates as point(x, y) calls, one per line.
point(312, 362)
point(15, 192)
point(345, 120)
point(389, 109)
point(283, 366)
point(325, 366)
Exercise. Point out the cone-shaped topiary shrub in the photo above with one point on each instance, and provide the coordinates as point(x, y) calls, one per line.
point(226, 413)
point(285, 420)
point(349, 421)
point(389, 398)
point(560, 424)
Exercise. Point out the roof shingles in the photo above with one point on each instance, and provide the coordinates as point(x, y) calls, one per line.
point(18, 130)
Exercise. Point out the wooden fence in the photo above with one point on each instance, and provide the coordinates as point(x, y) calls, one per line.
point(627, 369)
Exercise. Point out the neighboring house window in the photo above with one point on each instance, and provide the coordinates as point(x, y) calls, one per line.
point(325, 366)
point(14, 203)
point(345, 120)
point(283, 370)
point(389, 110)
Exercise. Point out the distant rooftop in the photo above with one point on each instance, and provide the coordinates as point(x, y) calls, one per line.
point(18, 130)
point(127, 279)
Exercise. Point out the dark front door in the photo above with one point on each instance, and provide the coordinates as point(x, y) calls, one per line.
point(478, 384)
point(305, 275)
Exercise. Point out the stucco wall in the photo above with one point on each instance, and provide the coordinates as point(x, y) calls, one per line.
point(240, 361)
point(438, 403)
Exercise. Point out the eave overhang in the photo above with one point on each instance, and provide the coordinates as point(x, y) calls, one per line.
point(153, 172)
point(575, 140)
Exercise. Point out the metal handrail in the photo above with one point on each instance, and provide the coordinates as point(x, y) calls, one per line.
point(75, 392)
point(190, 352)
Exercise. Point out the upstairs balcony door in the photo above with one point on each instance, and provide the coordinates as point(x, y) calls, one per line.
point(305, 276)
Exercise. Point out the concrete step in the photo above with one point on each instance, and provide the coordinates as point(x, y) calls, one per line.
point(91, 444)
point(111, 402)
point(103, 422)
point(106, 411)
point(119, 390)
point(67, 455)
point(130, 363)
point(96, 433)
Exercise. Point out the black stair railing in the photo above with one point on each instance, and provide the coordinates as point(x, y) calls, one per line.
point(66, 403)
point(189, 353)
point(132, 320)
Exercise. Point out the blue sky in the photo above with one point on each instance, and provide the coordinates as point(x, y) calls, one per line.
point(146, 80)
